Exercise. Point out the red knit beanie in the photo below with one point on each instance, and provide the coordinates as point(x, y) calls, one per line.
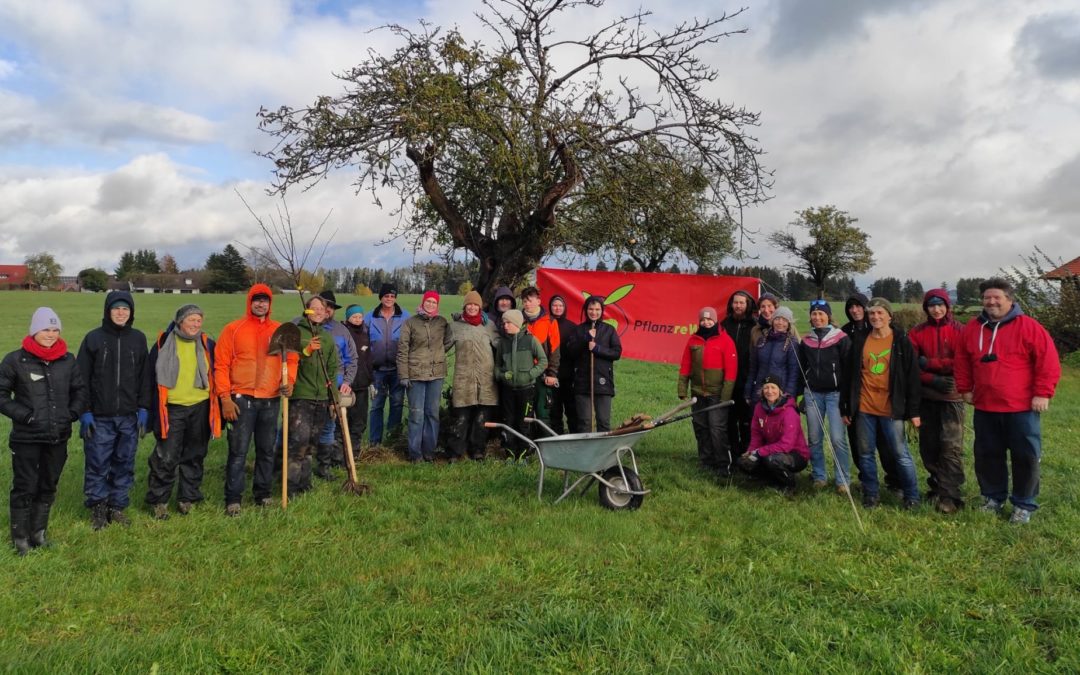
point(429, 294)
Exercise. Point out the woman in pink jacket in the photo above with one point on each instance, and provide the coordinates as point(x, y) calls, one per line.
point(777, 448)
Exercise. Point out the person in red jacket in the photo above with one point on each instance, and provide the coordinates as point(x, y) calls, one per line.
point(941, 409)
point(778, 448)
point(709, 367)
point(1007, 367)
point(247, 377)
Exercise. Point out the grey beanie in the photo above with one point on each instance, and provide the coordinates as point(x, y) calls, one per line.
point(186, 311)
point(44, 318)
point(784, 313)
point(514, 316)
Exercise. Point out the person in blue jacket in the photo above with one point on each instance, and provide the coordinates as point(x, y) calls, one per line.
point(384, 329)
point(774, 354)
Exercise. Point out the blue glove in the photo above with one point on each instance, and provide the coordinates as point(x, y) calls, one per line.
point(86, 425)
point(142, 417)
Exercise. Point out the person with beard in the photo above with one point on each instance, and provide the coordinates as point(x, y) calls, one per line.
point(42, 391)
point(883, 391)
point(824, 352)
point(474, 392)
point(1008, 368)
point(181, 371)
point(503, 301)
point(941, 436)
point(112, 358)
point(562, 399)
point(357, 414)
point(708, 370)
point(777, 449)
point(739, 323)
point(594, 347)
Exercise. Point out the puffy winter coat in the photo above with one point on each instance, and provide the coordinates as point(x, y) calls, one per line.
point(422, 349)
point(935, 345)
point(243, 363)
point(709, 367)
point(522, 357)
point(385, 334)
point(825, 358)
point(600, 362)
point(774, 354)
point(474, 363)
point(111, 359)
point(1006, 363)
point(904, 387)
point(42, 398)
point(775, 429)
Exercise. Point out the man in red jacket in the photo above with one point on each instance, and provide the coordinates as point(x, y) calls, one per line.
point(1007, 366)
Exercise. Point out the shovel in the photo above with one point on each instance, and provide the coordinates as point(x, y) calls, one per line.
point(286, 338)
point(351, 485)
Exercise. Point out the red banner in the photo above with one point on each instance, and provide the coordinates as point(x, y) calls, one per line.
point(653, 312)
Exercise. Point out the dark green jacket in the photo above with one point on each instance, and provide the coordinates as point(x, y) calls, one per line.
point(311, 378)
point(519, 359)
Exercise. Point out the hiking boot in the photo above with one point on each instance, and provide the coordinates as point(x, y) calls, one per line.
point(99, 516)
point(991, 505)
point(946, 506)
point(324, 472)
point(184, 508)
point(911, 504)
point(1020, 516)
point(232, 510)
point(119, 517)
point(161, 511)
point(897, 492)
point(264, 502)
point(843, 490)
point(819, 484)
point(870, 501)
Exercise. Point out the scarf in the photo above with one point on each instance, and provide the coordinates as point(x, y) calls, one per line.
point(48, 354)
point(168, 362)
point(420, 311)
point(473, 320)
point(706, 333)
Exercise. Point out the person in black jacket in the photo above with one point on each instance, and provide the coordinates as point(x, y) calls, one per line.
point(362, 383)
point(111, 359)
point(824, 358)
point(883, 391)
point(42, 391)
point(562, 399)
point(738, 323)
point(594, 347)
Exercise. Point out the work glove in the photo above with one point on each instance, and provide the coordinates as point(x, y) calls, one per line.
point(230, 412)
point(86, 425)
point(942, 383)
point(142, 419)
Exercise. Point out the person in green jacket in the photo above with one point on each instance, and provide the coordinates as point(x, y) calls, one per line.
point(519, 360)
point(310, 403)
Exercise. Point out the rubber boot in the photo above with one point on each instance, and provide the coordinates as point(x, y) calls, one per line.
point(324, 457)
point(39, 522)
point(20, 530)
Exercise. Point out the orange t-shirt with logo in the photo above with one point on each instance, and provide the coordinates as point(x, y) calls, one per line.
point(874, 394)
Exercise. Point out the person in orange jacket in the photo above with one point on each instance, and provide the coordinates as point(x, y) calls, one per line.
point(247, 377)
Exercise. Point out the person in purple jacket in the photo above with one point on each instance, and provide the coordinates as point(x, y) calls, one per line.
point(777, 448)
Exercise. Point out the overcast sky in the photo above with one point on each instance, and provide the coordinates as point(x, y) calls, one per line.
point(950, 128)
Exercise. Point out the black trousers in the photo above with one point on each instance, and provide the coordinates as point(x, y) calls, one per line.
point(181, 454)
point(357, 417)
point(467, 432)
point(563, 408)
point(710, 429)
point(739, 425)
point(306, 421)
point(35, 472)
point(585, 414)
point(514, 403)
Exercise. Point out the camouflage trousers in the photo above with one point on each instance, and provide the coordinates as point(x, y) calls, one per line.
point(306, 421)
point(941, 446)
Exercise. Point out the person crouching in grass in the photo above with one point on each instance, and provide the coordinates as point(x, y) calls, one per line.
point(777, 448)
point(42, 391)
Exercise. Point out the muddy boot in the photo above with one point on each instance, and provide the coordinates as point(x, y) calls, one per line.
point(99, 515)
point(20, 530)
point(39, 522)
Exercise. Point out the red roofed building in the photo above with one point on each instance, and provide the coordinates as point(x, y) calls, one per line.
point(1070, 270)
point(13, 277)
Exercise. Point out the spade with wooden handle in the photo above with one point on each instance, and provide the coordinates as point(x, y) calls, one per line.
point(286, 338)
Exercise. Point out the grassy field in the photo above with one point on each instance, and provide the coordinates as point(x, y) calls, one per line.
point(460, 568)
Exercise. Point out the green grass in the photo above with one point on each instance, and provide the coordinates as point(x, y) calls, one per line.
point(459, 568)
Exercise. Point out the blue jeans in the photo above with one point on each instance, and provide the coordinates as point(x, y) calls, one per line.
point(386, 386)
point(110, 461)
point(893, 433)
point(258, 417)
point(424, 418)
point(1019, 434)
point(822, 406)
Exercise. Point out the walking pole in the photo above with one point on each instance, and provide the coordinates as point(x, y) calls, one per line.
point(592, 380)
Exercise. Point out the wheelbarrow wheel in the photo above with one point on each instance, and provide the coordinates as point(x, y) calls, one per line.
point(617, 498)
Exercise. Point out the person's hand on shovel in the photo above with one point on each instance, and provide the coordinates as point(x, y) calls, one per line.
point(285, 389)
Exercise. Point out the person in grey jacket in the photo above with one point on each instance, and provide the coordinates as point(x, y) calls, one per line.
point(421, 364)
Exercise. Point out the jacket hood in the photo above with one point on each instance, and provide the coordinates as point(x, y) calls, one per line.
point(856, 299)
point(1013, 313)
point(504, 292)
point(552, 301)
point(591, 298)
point(112, 297)
point(260, 289)
point(785, 400)
point(751, 305)
point(937, 293)
point(832, 336)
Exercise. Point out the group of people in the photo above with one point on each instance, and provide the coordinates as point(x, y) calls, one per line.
point(861, 382)
point(747, 371)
